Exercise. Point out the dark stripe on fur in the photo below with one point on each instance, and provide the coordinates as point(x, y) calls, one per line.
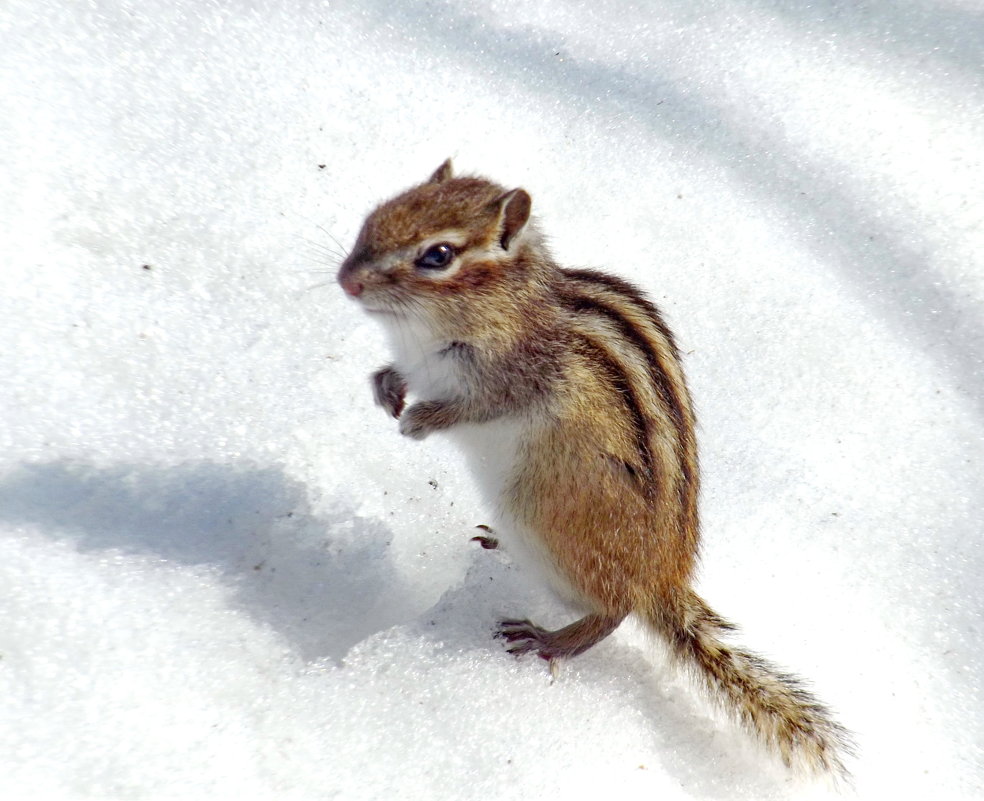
point(661, 382)
point(616, 377)
point(665, 388)
point(633, 293)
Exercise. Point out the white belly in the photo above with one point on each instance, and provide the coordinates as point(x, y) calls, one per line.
point(492, 448)
point(493, 451)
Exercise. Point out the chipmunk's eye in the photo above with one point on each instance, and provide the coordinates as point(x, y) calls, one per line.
point(436, 257)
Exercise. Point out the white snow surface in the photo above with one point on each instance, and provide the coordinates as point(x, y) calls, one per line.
point(224, 574)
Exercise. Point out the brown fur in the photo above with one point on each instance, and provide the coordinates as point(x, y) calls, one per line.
point(607, 478)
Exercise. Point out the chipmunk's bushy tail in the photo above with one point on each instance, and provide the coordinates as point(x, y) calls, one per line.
point(772, 704)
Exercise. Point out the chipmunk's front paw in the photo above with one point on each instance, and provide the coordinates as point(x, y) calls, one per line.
point(417, 421)
point(389, 389)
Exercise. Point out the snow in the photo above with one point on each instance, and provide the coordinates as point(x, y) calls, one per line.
point(224, 574)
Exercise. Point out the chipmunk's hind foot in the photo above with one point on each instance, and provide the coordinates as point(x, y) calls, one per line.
point(524, 637)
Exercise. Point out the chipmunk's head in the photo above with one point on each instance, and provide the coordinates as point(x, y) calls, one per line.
point(439, 245)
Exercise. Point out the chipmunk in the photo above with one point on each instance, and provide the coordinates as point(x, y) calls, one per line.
point(564, 388)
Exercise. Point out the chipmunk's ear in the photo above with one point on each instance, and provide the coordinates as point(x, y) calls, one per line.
point(441, 174)
point(514, 212)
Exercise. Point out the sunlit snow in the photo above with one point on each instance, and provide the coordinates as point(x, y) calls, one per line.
point(224, 574)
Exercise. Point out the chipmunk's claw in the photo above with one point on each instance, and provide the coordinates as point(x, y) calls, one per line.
point(489, 543)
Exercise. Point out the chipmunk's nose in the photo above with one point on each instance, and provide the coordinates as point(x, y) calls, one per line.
point(353, 286)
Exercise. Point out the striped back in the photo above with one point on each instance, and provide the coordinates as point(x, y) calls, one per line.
point(626, 339)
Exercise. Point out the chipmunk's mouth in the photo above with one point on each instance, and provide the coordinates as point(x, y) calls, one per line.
point(381, 310)
point(380, 303)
